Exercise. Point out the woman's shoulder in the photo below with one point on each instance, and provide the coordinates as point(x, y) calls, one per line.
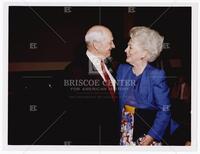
point(156, 74)
point(155, 71)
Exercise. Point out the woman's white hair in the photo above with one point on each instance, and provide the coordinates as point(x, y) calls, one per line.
point(148, 39)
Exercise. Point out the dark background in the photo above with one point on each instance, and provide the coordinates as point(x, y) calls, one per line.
point(60, 39)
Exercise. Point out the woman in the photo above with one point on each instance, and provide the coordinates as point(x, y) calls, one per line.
point(144, 103)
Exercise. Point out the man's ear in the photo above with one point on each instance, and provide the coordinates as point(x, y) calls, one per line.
point(96, 45)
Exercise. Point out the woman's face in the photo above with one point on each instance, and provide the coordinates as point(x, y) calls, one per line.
point(134, 53)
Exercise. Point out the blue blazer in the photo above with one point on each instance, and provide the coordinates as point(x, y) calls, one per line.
point(151, 92)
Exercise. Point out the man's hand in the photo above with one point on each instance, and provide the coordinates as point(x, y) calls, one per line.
point(147, 140)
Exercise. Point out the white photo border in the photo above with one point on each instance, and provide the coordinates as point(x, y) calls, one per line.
point(194, 69)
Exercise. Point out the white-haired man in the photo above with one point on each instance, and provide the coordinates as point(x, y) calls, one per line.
point(93, 112)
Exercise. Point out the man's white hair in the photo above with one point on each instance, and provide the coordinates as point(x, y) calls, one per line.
point(93, 36)
point(148, 39)
point(96, 34)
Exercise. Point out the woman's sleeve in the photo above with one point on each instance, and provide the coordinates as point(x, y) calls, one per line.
point(162, 101)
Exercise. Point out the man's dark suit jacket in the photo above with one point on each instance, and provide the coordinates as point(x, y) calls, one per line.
point(93, 118)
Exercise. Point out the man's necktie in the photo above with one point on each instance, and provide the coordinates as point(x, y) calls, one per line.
point(108, 81)
point(108, 63)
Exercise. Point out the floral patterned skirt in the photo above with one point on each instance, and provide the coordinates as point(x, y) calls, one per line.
point(127, 128)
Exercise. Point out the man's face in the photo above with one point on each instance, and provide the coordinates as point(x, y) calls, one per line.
point(107, 45)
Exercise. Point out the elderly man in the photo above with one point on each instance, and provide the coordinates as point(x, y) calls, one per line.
point(91, 93)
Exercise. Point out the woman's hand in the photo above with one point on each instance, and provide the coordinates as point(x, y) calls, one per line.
point(147, 140)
